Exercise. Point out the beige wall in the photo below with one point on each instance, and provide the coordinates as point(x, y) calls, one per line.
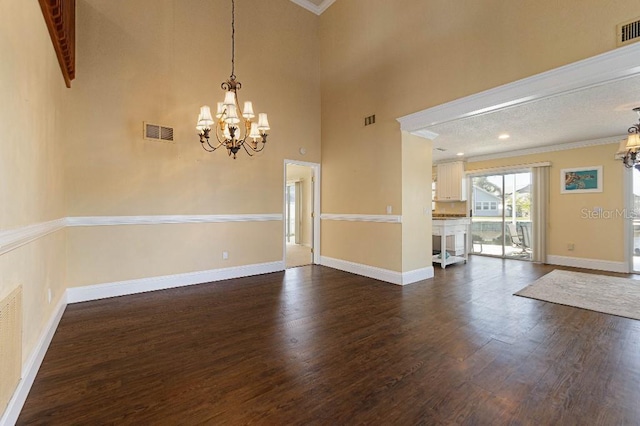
point(159, 61)
point(382, 58)
point(416, 202)
point(601, 239)
point(32, 91)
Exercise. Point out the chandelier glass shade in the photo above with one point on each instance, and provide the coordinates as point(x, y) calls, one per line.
point(234, 128)
point(630, 147)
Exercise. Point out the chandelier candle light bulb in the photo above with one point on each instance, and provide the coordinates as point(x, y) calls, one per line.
point(228, 132)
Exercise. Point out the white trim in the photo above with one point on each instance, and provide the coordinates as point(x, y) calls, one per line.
point(628, 243)
point(169, 219)
point(11, 239)
point(416, 275)
point(609, 66)
point(312, 7)
point(123, 288)
point(386, 275)
point(510, 169)
point(32, 365)
point(548, 148)
point(393, 277)
point(599, 265)
point(381, 218)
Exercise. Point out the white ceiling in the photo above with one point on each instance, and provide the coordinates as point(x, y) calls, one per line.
point(595, 113)
point(315, 6)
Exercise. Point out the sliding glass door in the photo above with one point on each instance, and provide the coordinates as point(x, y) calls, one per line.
point(501, 215)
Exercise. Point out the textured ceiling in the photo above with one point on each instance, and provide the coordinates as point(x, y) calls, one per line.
point(602, 111)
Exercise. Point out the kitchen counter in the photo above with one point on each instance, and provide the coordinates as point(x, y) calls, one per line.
point(452, 232)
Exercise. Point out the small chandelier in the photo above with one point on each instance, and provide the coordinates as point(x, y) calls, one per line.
point(628, 150)
point(233, 125)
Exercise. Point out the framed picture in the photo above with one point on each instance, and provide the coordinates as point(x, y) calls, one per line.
point(580, 180)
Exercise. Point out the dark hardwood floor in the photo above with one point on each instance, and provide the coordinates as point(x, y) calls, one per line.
point(314, 345)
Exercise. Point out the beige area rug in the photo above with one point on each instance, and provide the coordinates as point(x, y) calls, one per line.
point(600, 293)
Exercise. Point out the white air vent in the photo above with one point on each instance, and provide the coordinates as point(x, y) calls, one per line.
point(628, 32)
point(155, 132)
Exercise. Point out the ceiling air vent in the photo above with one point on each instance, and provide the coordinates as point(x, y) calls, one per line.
point(628, 32)
point(155, 132)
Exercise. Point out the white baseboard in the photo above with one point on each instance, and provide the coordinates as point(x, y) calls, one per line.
point(416, 275)
point(123, 288)
point(32, 365)
point(381, 274)
point(578, 262)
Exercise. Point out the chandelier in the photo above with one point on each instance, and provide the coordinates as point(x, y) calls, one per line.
point(233, 126)
point(628, 150)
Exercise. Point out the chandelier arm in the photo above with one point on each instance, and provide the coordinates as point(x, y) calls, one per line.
point(206, 143)
point(244, 145)
point(262, 146)
point(220, 143)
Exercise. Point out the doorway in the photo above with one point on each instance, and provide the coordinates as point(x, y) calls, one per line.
point(501, 219)
point(301, 229)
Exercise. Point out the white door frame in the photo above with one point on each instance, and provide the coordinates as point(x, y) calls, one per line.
point(627, 188)
point(316, 208)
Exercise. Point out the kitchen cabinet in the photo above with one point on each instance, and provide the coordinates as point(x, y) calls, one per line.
point(451, 183)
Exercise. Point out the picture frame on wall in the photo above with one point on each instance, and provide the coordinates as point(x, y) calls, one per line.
point(580, 180)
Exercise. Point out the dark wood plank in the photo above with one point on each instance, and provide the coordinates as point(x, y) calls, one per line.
point(314, 345)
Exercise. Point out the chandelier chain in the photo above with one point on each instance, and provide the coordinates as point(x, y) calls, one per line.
point(233, 40)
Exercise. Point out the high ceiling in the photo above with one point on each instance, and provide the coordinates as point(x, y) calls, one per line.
point(595, 113)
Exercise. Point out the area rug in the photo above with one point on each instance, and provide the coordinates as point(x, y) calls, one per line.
point(600, 293)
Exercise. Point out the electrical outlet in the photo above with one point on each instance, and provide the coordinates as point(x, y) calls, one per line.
point(571, 246)
point(225, 255)
point(389, 209)
point(49, 295)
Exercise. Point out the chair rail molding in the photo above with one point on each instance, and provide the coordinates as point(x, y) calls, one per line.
point(170, 219)
point(380, 218)
point(11, 239)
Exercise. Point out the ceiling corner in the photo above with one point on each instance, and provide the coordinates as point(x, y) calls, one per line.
point(315, 6)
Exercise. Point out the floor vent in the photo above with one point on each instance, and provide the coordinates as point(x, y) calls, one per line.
point(10, 345)
point(155, 132)
point(628, 32)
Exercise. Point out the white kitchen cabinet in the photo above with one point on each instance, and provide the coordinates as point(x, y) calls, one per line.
point(451, 183)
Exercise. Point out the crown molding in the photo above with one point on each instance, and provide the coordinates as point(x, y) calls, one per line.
point(610, 66)
point(548, 148)
point(312, 7)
